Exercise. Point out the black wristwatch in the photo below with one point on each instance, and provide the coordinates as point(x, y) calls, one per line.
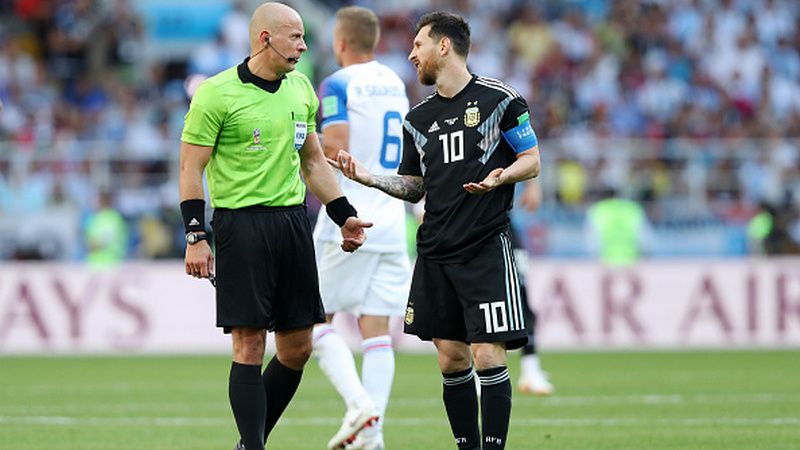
point(194, 237)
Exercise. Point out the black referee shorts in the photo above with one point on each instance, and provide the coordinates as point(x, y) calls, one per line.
point(476, 301)
point(265, 268)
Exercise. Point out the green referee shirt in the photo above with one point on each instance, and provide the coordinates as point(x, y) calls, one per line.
point(256, 128)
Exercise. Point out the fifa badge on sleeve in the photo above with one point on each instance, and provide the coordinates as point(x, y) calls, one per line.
point(300, 131)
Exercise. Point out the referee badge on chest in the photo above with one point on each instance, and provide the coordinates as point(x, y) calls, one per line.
point(300, 131)
point(256, 145)
point(472, 115)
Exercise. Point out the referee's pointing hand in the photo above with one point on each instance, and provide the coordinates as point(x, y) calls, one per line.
point(353, 235)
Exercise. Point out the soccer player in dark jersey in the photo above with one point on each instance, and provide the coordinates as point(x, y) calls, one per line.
point(464, 147)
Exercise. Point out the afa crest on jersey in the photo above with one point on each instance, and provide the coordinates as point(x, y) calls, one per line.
point(472, 115)
point(409, 319)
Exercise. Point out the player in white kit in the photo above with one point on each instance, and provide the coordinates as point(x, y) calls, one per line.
point(363, 107)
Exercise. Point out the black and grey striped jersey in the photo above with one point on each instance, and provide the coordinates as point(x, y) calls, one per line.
point(453, 141)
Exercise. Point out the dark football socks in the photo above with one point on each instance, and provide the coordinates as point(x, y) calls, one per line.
point(495, 406)
point(248, 402)
point(530, 324)
point(279, 383)
point(461, 403)
point(530, 346)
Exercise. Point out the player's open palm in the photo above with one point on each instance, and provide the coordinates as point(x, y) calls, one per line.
point(488, 184)
point(352, 169)
point(353, 235)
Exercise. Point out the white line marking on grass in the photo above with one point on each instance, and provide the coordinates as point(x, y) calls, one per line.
point(416, 402)
point(620, 422)
point(108, 387)
point(643, 399)
point(405, 422)
point(314, 405)
point(662, 399)
point(135, 421)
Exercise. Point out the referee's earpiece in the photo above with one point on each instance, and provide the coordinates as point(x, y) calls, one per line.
point(267, 44)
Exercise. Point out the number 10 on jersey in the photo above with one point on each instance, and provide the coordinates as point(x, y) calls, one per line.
point(452, 146)
point(495, 316)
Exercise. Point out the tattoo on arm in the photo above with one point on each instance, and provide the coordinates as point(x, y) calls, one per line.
point(405, 187)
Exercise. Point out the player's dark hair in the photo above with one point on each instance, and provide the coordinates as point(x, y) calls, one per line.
point(452, 26)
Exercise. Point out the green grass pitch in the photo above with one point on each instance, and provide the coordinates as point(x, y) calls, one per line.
point(624, 400)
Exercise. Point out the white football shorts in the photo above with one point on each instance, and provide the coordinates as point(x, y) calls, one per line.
point(363, 283)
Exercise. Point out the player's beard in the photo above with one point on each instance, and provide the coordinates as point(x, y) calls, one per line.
point(428, 73)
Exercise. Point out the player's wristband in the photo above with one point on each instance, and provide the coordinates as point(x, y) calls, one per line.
point(339, 210)
point(194, 215)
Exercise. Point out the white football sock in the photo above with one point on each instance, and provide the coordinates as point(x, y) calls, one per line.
point(336, 362)
point(377, 372)
point(529, 364)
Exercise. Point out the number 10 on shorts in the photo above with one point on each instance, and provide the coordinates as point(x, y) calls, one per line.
point(494, 313)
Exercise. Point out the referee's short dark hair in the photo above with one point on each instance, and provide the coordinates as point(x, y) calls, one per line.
point(448, 25)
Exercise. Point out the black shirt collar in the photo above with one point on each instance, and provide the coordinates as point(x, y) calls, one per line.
point(246, 76)
point(460, 93)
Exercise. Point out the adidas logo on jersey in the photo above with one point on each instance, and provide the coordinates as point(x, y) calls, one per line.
point(434, 127)
point(194, 222)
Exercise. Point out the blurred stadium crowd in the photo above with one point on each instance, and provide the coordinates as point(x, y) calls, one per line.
point(691, 107)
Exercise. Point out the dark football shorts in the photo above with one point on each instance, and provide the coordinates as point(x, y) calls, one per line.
point(476, 301)
point(266, 269)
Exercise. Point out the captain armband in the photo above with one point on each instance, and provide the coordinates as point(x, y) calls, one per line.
point(339, 210)
point(522, 137)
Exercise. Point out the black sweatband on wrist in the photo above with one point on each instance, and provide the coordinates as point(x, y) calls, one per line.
point(339, 210)
point(194, 215)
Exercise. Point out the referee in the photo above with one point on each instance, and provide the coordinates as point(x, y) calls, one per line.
point(251, 129)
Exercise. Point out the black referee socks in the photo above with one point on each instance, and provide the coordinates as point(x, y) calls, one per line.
point(279, 383)
point(248, 402)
